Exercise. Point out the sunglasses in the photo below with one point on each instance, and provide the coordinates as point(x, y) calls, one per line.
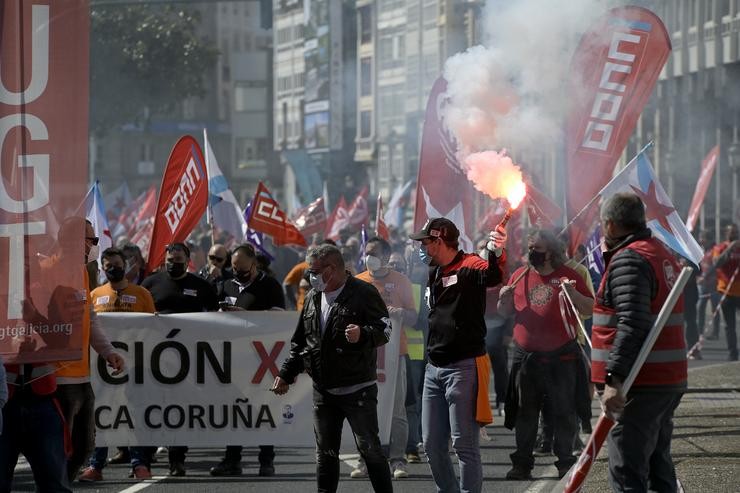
point(93, 239)
point(215, 258)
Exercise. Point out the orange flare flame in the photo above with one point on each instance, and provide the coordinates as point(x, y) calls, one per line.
point(516, 194)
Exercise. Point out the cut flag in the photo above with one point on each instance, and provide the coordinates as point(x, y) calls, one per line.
point(95, 213)
point(708, 166)
point(358, 214)
point(267, 217)
point(312, 218)
point(394, 214)
point(638, 177)
point(338, 221)
point(254, 237)
point(224, 210)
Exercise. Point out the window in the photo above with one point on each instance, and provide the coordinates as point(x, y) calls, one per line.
point(366, 24)
point(366, 77)
point(250, 98)
point(365, 124)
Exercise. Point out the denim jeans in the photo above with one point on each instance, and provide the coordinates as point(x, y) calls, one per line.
point(361, 411)
point(34, 428)
point(140, 456)
point(729, 307)
point(266, 455)
point(78, 406)
point(639, 445)
point(415, 368)
point(448, 410)
point(712, 299)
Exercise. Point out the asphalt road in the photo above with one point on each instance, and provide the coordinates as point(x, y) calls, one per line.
point(295, 467)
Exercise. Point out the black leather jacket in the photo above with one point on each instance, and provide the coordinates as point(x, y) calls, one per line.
point(331, 360)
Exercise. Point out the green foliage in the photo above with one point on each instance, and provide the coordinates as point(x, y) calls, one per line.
point(144, 60)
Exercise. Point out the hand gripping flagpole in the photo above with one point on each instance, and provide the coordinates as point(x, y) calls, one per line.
point(578, 473)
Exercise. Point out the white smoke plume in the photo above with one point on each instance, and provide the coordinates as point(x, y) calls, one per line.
point(510, 92)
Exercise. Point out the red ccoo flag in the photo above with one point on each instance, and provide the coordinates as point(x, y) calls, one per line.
point(312, 218)
point(183, 198)
point(267, 217)
point(707, 170)
point(380, 228)
point(338, 221)
point(543, 212)
point(358, 213)
point(615, 68)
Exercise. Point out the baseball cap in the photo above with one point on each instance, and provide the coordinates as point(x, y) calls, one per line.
point(439, 227)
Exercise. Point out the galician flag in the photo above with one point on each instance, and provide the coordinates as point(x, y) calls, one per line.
point(95, 213)
point(225, 213)
point(638, 177)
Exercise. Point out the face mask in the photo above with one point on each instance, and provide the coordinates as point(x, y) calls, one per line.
point(317, 282)
point(537, 259)
point(372, 263)
point(175, 269)
point(424, 256)
point(115, 274)
point(243, 276)
point(94, 253)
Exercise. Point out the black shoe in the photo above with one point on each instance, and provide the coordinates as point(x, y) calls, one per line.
point(121, 457)
point(227, 468)
point(177, 469)
point(732, 357)
point(562, 471)
point(267, 470)
point(519, 473)
point(712, 337)
point(586, 427)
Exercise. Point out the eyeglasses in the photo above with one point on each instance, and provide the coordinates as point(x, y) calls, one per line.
point(92, 239)
point(215, 258)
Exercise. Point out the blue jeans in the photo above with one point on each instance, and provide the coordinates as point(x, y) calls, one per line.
point(448, 410)
point(413, 411)
point(140, 456)
point(35, 428)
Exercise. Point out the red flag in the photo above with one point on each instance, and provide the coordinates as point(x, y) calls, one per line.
point(707, 170)
point(614, 70)
point(267, 217)
point(183, 198)
point(44, 54)
point(543, 212)
point(338, 221)
point(580, 470)
point(358, 213)
point(442, 189)
point(380, 228)
point(493, 216)
point(312, 218)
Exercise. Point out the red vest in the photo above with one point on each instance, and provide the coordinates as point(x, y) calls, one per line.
point(42, 379)
point(666, 364)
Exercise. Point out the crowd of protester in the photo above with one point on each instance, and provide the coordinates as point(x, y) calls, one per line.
point(461, 312)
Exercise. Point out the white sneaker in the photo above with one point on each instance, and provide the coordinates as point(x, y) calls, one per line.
point(399, 470)
point(420, 448)
point(161, 450)
point(359, 472)
point(484, 434)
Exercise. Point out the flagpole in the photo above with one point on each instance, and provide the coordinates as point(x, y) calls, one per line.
point(598, 195)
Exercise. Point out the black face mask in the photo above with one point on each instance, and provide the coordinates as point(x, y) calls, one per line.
point(243, 276)
point(115, 274)
point(537, 259)
point(175, 269)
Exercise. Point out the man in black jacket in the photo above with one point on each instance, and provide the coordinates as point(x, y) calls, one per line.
point(250, 289)
point(342, 323)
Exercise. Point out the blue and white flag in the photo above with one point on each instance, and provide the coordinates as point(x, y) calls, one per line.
point(225, 212)
point(95, 213)
point(638, 177)
point(593, 253)
point(255, 237)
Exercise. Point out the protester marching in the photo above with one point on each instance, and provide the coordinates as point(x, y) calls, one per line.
point(481, 308)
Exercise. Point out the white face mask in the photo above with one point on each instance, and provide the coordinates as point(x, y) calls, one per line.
point(94, 253)
point(317, 282)
point(373, 263)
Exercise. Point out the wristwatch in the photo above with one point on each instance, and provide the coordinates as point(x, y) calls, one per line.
point(611, 379)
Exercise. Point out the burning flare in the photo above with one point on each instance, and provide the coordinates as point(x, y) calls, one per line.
point(496, 175)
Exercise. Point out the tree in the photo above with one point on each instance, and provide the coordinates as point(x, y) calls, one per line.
point(144, 60)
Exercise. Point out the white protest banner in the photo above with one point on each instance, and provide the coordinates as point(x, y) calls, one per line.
point(202, 379)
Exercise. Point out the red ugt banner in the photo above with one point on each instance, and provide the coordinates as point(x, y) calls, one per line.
point(183, 198)
point(707, 170)
point(614, 70)
point(44, 51)
point(442, 189)
point(267, 217)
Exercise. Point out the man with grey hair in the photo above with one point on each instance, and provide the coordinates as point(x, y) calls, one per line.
point(640, 273)
point(342, 323)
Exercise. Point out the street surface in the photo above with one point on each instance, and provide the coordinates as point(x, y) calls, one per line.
point(706, 449)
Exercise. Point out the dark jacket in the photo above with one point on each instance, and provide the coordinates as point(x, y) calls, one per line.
point(629, 288)
point(331, 360)
point(264, 293)
point(457, 302)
